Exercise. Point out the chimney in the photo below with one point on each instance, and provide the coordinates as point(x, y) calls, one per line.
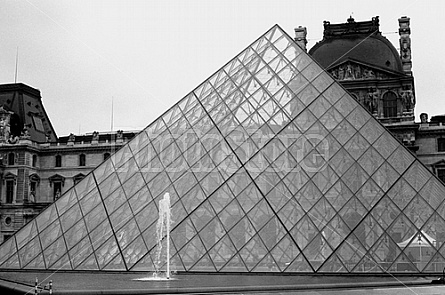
point(300, 37)
point(405, 44)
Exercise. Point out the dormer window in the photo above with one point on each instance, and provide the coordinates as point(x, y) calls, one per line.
point(38, 124)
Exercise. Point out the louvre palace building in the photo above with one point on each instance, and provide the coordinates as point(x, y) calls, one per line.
point(285, 160)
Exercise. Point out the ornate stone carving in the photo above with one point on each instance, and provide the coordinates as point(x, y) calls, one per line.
point(351, 27)
point(353, 71)
point(95, 136)
point(5, 117)
point(71, 137)
point(407, 98)
point(25, 133)
point(371, 100)
point(405, 43)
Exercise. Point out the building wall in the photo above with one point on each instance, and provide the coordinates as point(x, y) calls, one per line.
point(25, 205)
point(427, 138)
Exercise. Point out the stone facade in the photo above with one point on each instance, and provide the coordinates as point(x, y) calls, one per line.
point(37, 167)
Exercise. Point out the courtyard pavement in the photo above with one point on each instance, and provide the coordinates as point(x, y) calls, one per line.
point(21, 282)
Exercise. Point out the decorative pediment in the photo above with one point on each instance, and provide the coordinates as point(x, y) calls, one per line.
point(9, 176)
point(351, 69)
point(57, 178)
point(78, 177)
point(34, 177)
point(440, 163)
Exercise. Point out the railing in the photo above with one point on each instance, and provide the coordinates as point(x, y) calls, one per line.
point(38, 287)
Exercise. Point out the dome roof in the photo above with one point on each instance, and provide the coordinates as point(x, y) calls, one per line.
point(374, 50)
point(360, 41)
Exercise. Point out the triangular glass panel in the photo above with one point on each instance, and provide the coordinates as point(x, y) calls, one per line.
point(235, 264)
point(351, 251)
point(36, 263)
point(204, 264)
point(299, 264)
point(338, 195)
point(63, 263)
point(283, 252)
point(7, 250)
point(116, 264)
point(12, 262)
point(90, 263)
point(332, 264)
point(335, 232)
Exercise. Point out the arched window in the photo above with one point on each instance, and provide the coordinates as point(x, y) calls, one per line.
point(82, 160)
point(11, 159)
point(389, 105)
point(58, 161)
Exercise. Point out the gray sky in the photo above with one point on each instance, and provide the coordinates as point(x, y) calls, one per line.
point(147, 55)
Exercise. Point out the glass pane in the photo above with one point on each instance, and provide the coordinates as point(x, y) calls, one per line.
point(29, 252)
point(46, 217)
point(54, 252)
point(70, 217)
point(50, 234)
point(90, 201)
point(8, 248)
point(26, 234)
point(75, 234)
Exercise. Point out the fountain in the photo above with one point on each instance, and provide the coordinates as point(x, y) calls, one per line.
point(164, 221)
point(162, 229)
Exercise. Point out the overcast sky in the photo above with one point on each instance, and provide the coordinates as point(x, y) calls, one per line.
point(146, 55)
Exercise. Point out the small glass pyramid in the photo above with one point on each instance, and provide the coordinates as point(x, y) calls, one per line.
point(271, 166)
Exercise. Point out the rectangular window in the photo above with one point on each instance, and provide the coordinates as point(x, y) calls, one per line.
point(441, 174)
point(9, 191)
point(58, 161)
point(441, 144)
point(82, 160)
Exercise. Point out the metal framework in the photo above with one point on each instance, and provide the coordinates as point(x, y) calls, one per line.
point(270, 166)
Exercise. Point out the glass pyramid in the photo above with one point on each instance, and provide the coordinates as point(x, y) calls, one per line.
point(271, 166)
